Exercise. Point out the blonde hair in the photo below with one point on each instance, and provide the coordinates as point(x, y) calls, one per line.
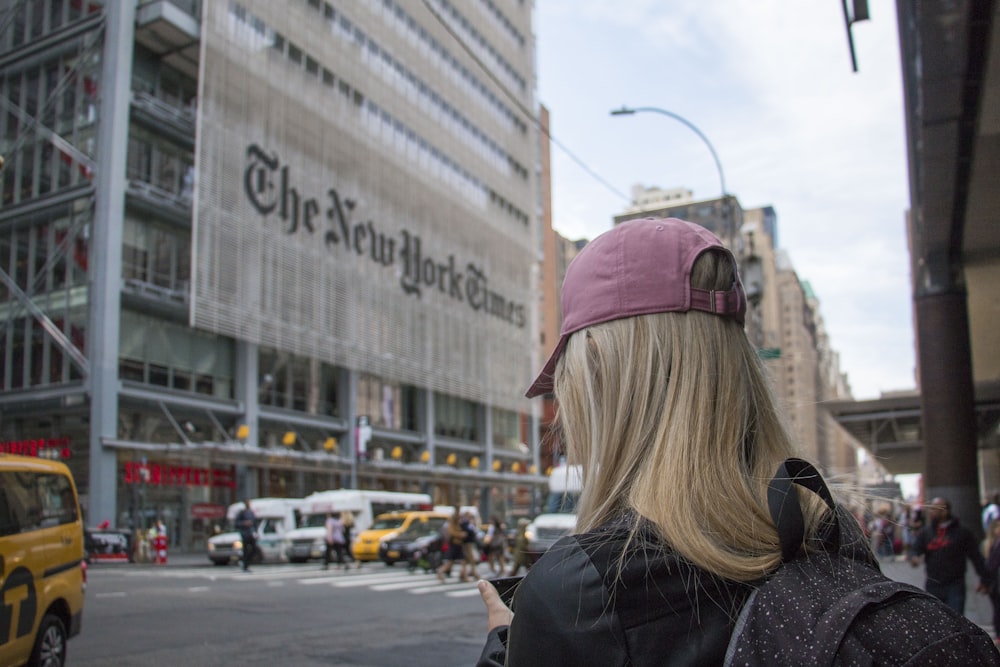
point(672, 419)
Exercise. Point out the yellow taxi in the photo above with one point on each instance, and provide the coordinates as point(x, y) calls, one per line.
point(41, 561)
point(366, 545)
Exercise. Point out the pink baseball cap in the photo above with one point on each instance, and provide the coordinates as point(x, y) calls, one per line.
point(637, 268)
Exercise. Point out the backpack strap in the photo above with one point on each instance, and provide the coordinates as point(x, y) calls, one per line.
point(786, 512)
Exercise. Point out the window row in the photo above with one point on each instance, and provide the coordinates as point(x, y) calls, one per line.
point(396, 73)
point(158, 352)
point(501, 19)
point(30, 357)
point(48, 128)
point(409, 28)
point(297, 383)
point(155, 254)
point(406, 83)
point(46, 257)
point(160, 163)
point(393, 131)
point(35, 18)
point(485, 50)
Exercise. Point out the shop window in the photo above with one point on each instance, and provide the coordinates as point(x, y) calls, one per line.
point(159, 375)
point(455, 417)
point(131, 369)
point(171, 355)
point(506, 429)
point(297, 383)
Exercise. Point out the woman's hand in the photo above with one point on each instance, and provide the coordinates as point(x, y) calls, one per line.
point(498, 613)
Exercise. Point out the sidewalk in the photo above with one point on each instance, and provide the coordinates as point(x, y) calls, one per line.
point(977, 606)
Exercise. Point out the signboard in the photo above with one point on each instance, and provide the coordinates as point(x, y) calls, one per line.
point(334, 222)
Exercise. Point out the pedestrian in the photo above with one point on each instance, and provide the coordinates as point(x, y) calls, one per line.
point(455, 535)
point(664, 403)
point(495, 543)
point(945, 545)
point(470, 544)
point(519, 554)
point(347, 518)
point(883, 533)
point(334, 540)
point(159, 533)
point(246, 524)
point(142, 546)
point(916, 526)
point(991, 511)
point(992, 548)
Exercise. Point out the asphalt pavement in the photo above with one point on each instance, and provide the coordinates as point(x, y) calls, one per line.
point(977, 606)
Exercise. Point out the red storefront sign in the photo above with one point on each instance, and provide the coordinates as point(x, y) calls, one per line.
point(50, 448)
point(208, 511)
point(164, 475)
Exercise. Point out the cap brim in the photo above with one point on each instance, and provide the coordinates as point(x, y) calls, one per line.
point(543, 383)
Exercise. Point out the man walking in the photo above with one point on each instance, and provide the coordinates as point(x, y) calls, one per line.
point(246, 523)
point(945, 545)
point(334, 540)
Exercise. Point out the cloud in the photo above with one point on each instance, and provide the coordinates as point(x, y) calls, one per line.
point(770, 85)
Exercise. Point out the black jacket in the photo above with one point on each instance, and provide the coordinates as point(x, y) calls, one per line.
point(583, 604)
point(945, 553)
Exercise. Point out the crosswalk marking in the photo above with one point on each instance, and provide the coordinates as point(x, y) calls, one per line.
point(386, 580)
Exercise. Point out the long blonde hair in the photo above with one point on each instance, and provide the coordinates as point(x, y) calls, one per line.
point(672, 419)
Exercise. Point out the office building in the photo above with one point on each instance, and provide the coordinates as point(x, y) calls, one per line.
point(251, 248)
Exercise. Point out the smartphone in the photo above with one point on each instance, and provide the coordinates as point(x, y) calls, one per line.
point(506, 587)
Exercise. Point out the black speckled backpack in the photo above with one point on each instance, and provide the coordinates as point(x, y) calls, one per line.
point(829, 604)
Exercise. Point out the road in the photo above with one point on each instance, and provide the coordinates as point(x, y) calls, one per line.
point(191, 613)
point(195, 615)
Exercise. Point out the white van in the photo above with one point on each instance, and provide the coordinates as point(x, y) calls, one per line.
point(559, 519)
point(276, 517)
point(309, 540)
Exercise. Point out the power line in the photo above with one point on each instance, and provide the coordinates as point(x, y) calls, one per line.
point(520, 107)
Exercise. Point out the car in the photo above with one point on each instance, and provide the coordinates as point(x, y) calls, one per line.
point(366, 546)
point(419, 544)
point(42, 576)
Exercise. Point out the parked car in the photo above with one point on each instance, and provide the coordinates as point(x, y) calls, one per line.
point(419, 544)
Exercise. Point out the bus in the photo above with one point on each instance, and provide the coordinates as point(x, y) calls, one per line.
point(309, 540)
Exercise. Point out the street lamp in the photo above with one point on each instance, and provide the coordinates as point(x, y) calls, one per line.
point(728, 232)
point(627, 111)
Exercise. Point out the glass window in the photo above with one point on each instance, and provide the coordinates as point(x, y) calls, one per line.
point(32, 501)
point(380, 401)
point(506, 429)
point(455, 417)
point(171, 355)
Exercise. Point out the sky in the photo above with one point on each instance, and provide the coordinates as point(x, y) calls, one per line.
point(770, 85)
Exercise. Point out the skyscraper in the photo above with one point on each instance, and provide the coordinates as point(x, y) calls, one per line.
point(253, 248)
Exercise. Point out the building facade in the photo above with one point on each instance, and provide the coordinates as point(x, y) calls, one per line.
point(264, 249)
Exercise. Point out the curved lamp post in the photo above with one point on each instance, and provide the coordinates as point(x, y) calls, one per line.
point(750, 263)
point(628, 111)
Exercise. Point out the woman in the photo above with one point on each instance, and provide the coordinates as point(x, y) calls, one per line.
point(496, 545)
point(454, 534)
point(663, 401)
